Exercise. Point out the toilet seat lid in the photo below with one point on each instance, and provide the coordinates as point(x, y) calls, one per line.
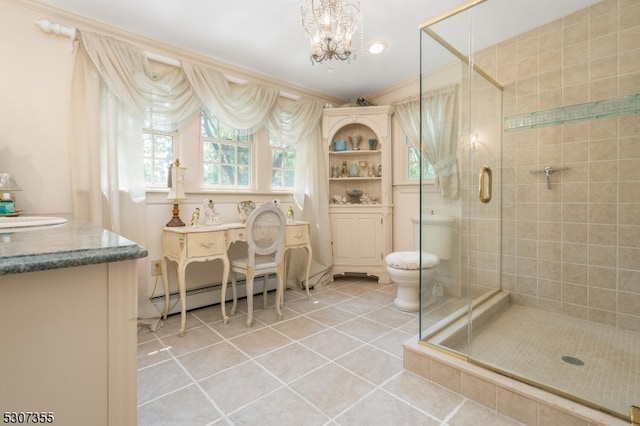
point(410, 260)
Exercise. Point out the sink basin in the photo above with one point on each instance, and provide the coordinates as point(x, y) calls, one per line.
point(29, 221)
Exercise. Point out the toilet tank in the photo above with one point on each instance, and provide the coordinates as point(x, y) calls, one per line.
point(437, 234)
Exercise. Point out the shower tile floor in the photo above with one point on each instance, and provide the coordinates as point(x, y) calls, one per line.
point(334, 359)
point(604, 363)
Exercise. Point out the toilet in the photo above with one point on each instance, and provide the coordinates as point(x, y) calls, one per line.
point(404, 266)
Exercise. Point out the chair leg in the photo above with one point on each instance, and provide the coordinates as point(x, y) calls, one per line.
point(223, 302)
point(249, 287)
point(234, 291)
point(264, 290)
point(280, 290)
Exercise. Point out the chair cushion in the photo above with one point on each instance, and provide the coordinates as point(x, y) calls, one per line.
point(410, 260)
point(261, 262)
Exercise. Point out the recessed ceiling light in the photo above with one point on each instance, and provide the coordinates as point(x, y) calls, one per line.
point(376, 47)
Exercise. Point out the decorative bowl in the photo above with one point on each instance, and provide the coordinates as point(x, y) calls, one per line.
point(354, 195)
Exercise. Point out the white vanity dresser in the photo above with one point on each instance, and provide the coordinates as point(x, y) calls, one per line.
point(68, 325)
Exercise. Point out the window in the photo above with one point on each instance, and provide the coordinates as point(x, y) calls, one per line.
point(283, 165)
point(413, 164)
point(158, 149)
point(226, 154)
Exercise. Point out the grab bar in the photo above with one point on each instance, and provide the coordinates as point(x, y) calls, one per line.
point(485, 189)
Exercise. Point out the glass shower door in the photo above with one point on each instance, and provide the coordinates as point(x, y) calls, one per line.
point(476, 262)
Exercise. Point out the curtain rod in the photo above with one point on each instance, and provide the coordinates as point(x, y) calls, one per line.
point(71, 32)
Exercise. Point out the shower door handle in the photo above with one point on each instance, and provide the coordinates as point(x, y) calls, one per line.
point(485, 187)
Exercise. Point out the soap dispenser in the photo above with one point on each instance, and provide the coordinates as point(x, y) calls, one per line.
point(6, 204)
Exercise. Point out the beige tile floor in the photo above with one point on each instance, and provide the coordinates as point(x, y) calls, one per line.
point(519, 341)
point(334, 359)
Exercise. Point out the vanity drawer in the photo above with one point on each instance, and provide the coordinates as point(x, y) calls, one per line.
point(205, 244)
point(297, 234)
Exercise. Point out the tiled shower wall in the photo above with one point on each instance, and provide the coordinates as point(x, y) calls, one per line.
point(575, 248)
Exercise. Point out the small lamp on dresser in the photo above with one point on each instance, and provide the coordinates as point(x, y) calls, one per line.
point(176, 191)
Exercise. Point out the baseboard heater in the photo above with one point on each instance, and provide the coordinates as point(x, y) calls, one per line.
point(210, 295)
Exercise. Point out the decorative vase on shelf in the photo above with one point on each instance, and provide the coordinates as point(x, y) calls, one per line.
point(362, 164)
point(339, 145)
point(354, 170)
point(372, 144)
point(355, 142)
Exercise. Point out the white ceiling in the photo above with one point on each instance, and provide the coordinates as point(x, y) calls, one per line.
point(266, 36)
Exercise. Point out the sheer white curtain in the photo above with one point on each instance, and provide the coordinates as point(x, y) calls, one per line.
point(251, 106)
point(114, 85)
point(438, 133)
point(298, 123)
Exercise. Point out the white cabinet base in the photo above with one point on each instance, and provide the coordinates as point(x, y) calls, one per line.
point(378, 273)
point(358, 238)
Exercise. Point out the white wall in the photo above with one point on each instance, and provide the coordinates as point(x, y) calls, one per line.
point(35, 81)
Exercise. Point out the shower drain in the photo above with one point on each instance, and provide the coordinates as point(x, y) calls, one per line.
point(572, 360)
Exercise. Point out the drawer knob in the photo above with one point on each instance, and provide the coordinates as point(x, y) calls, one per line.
point(297, 235)
point(207, 244)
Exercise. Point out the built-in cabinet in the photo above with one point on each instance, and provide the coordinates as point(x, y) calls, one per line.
point(358, 147)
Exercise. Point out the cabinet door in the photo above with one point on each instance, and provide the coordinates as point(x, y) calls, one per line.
point(357, 239)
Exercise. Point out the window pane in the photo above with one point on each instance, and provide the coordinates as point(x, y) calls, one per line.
point(161, 173)
point(209, 126)
point(277, 158)
point(147, 145)
point(225, 150)
point(157, 151)
point(276, 177)
point(164, 146)
point(228, 154)
point(290, 161)
point(226, 132)
point(413, 155)
point(243, 175)
point(283, 164)
point(211, 174)
point(228, 175)
point(413, 165)
point(243, 155)
point(211, 152)
point(148, 170)
point(289, 178)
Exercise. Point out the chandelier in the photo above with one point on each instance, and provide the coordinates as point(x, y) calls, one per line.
point(330, 26)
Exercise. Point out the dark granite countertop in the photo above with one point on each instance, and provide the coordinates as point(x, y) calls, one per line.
point(74, 243)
